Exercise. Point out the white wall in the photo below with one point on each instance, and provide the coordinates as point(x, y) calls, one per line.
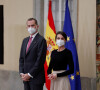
point(16, 12)
point(87, 37)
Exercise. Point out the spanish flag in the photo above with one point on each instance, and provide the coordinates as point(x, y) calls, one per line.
point(51, 44)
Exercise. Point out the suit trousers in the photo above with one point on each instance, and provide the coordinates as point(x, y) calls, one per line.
point(29, 85)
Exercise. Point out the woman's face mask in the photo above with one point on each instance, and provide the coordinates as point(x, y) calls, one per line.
point(60, 42)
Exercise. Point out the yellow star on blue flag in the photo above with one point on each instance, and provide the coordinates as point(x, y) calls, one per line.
point(72, 77)
point(77, 73)
point(68, 39)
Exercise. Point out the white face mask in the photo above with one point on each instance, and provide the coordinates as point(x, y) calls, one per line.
point(60, 42)
point(31, 30)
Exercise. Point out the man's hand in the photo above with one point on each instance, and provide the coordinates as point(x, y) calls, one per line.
point(22, 75)
point(25, 77)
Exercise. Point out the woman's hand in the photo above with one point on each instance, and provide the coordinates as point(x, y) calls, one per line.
point(52, 76)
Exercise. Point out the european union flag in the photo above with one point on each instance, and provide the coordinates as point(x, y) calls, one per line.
point(70, 44)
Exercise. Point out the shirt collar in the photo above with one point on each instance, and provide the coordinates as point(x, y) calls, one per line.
point(34, 35)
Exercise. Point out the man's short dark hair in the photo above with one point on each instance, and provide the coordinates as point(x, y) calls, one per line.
point(30, 19)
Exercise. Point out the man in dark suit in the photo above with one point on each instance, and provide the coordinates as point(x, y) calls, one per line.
point(32, 58)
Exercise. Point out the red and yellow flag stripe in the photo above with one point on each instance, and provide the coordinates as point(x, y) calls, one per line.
point(51, 44)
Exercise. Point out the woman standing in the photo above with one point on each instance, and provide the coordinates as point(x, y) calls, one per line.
point(60, 59)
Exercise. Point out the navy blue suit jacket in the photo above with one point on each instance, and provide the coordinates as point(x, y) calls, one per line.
point(33, 61)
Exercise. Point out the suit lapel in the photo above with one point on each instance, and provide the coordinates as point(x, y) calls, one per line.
point(26, 42)
point(33, 42)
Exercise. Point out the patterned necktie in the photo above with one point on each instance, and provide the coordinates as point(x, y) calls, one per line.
point(29, 43)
